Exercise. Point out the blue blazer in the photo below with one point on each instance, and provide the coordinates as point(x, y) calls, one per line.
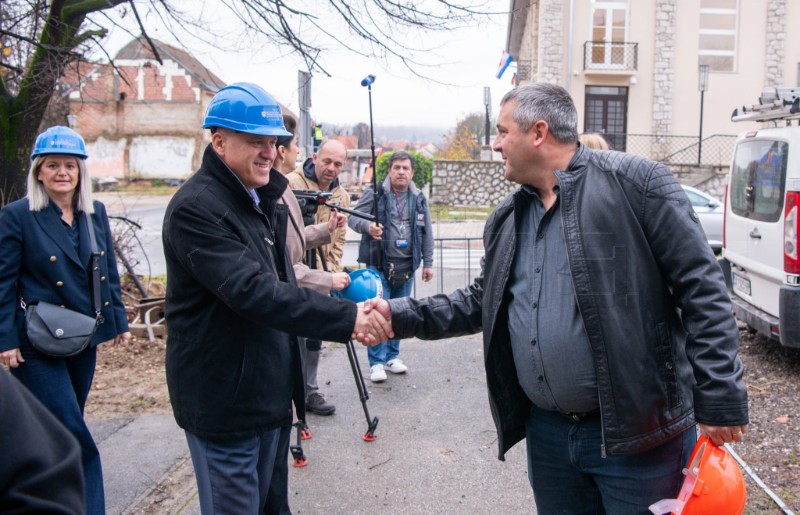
point(38, 261)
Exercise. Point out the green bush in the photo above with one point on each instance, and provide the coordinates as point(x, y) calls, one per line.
point(423, 168)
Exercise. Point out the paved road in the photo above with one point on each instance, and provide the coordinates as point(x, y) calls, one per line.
point(436, 447)
point(148, 211)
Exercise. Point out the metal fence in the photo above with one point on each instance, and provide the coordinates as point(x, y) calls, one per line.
point(456, 264)
point(716, 150)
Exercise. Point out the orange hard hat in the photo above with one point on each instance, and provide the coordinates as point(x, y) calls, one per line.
point(713, 484)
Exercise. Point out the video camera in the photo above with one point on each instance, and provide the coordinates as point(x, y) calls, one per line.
point(310, 200)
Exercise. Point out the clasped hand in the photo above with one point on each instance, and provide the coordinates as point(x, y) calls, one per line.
point(373, 322)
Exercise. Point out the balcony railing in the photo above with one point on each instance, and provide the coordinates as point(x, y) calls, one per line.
point(610, 56)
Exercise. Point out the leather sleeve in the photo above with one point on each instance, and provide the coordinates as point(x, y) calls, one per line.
point(693, 273)
point(439, 316)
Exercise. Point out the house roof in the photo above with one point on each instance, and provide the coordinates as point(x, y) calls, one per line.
point(140, 49)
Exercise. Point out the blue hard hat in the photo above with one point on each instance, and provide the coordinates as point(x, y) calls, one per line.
point(365, 283)
point(245, 107)
point(59, 140)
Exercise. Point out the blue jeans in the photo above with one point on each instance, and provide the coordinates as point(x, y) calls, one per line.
point(568, 474)
point(247, 476)
point(62, 384)
point(383, 352)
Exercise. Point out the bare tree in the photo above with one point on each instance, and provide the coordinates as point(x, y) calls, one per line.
point(39, 39)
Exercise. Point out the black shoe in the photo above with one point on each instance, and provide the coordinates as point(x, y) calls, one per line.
point(317, 404)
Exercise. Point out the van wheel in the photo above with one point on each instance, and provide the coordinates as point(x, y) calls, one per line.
point(751, 330)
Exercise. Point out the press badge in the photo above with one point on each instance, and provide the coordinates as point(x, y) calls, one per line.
point(401, 244)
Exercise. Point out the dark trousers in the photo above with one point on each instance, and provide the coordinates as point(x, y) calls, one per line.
point(240, 477)
point(62, 385)
point(569, 475)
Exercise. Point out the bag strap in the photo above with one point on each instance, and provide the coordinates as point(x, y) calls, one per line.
point(95, 267)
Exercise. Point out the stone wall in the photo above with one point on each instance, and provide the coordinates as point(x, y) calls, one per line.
point(481, 183)
point(774, 50)
point(663, 66)
point(551, 35)
point(469, 183)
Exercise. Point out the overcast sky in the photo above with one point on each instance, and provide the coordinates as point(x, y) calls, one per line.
point(467, 58)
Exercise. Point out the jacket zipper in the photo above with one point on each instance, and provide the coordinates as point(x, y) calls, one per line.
point(574, 292)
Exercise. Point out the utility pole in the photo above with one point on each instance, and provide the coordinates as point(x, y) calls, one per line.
point(486, 149)
point(702, 85)
point(304, 136)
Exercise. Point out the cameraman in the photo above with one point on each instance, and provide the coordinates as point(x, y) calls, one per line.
point(300, 237)
point(403, 232)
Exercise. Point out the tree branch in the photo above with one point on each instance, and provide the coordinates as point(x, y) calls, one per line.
point(78, 8)
point(90, 34)
point(146, 35)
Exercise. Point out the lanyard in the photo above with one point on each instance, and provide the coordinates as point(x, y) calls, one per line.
point(401, 207)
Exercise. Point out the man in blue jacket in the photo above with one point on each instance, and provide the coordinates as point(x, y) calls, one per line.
point(233, 311)
point(395, 245)
point(607, 327)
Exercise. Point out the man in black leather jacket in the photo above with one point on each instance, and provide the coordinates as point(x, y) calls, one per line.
point(608, 332)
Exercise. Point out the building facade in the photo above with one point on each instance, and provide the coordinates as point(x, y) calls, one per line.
point(142, 118)
point(635, 68)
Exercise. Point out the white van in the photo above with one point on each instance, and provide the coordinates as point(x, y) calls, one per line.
point(760, 242)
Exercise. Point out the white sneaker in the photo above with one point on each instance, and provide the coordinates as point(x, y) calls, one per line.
point(377, 374)
point(396, 366)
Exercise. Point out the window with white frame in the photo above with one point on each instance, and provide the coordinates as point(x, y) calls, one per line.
point(719, 22)
point(609, 34)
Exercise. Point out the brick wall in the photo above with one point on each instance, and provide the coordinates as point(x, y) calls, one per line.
point(142, 120)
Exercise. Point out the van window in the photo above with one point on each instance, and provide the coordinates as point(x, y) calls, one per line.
point(757, 179)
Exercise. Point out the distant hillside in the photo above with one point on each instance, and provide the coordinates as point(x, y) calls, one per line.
point(433, 135)
point(384, 133)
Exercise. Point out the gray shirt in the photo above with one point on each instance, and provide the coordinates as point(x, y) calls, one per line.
point(551, 350)
point(399, 230)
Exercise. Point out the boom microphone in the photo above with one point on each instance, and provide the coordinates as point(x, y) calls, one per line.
point(369, 79)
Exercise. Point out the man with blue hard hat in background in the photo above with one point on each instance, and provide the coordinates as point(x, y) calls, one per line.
point(233, 368)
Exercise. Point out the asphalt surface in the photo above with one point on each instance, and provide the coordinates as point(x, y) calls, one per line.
point(436, 447)
point(435, 451)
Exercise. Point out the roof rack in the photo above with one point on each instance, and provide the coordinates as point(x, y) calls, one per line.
point(774, 104)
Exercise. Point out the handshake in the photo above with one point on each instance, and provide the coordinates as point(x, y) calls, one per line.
point(373, 322)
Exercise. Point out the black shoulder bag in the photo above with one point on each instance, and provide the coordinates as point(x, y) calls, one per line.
point(60, 332)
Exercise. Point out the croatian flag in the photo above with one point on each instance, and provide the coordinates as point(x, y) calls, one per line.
point(505, 61)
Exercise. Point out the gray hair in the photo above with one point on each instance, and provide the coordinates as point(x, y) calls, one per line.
point(548, 102)
point(38, 199)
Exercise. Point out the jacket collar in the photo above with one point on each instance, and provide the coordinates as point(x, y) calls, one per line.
point(49, 220)
point(311, 174)
point(217, 168)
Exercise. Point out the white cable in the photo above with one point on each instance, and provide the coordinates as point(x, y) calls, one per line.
point(759, 482)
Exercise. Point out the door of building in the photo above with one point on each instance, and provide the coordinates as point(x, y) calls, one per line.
point(607, 114)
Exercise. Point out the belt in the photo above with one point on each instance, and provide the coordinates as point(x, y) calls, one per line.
point(581, 417)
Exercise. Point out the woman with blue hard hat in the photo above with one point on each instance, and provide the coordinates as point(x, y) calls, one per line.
point(45, 255)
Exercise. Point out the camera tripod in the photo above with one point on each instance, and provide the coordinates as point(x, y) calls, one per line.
point(303, 431)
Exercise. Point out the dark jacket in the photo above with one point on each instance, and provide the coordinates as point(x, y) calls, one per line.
point(40, 469)
point(651, 295)
point(232, 367)
point(38, 262)
point(421, 236)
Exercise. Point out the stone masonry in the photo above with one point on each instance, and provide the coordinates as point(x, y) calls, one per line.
point(481, 183)
point(774, 51)
point(663, 65)
point(551, 26)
